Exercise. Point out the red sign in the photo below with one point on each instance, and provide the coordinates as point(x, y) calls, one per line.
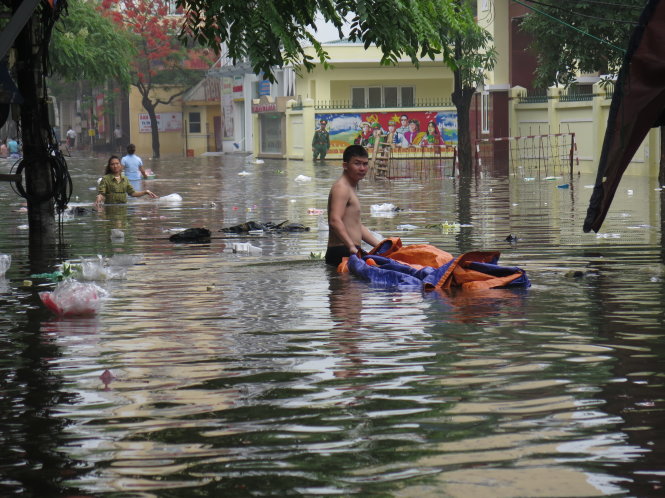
point(264, 107)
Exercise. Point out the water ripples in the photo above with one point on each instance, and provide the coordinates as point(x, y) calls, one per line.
point(215, 373)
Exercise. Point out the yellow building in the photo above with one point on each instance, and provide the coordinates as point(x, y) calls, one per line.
point(202, 116)
point(513, 109)
point(169, 119)
point(356, 90)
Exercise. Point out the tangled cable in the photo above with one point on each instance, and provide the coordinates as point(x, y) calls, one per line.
point(61, 181)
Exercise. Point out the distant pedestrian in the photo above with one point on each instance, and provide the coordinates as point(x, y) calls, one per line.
point(133, 165)
point(71, 138)
point(13, 147)
point(4, 152)
point(117, 136)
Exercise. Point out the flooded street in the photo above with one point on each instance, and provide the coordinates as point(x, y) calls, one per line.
point(210, 372)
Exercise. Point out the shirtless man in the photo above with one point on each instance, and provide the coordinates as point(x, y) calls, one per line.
point(346, 230)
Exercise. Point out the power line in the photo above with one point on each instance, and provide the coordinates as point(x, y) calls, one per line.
point(637, 8)
point(579, 14)
point(568, 25)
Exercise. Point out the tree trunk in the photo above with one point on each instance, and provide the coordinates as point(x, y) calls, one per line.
point(38, 183)
point(461, 97)
point(462, 100)
point(154, 128)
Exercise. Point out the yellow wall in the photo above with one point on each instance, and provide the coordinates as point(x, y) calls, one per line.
point(587, 119)
point(171, 143)
point(354, 66)
point(198, 143)
point(493, 16)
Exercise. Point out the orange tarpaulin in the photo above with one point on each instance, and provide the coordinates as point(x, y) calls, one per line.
point(426, 266)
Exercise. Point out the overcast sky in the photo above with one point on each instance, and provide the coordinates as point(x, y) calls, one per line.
point(325, 31)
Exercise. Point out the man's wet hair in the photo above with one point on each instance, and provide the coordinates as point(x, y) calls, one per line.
point(354, 151)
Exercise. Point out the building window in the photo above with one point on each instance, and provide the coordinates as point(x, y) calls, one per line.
point(485, 112)
point(357, 97)
point(195, 122)
point(407, 94)
point(374, 97)
point(387, 96)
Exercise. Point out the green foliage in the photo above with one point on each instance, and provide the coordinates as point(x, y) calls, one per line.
point(87, 46)
point(563, 51)
point(273, 33)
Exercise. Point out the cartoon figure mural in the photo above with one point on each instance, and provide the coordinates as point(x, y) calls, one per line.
point(413, 136)
point(346, 128)
point(364, 134)
point(432, 137)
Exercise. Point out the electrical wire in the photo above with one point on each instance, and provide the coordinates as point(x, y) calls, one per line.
point(568, 25)
point(579, 14)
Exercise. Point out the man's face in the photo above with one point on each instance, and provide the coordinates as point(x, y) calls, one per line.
point(357, 167)
point(391, 128)
point(403, 120)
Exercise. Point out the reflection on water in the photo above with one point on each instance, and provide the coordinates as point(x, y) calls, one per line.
point(216, 373)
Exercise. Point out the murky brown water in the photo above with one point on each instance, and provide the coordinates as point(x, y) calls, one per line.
point(239, 375)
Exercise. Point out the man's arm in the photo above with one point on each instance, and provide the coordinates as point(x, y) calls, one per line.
point(368, 237)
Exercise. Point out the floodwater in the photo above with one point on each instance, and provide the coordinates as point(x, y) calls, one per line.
point(214, 373)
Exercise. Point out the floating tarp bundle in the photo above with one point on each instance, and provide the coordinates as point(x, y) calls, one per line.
point(638, 104)
point(426, 267)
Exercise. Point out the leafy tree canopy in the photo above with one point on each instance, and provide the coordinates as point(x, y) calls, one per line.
point(564, 51)
point(273, 33)
point(87, 46)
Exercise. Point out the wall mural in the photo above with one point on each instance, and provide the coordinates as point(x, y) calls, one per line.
point(407, 129)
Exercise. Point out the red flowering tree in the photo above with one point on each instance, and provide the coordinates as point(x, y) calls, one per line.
point(162, 59)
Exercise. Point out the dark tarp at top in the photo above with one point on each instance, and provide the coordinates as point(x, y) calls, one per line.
point(638, 105)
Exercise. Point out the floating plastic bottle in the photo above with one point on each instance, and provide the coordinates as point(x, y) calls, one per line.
point(246, 248)
point(5, 263)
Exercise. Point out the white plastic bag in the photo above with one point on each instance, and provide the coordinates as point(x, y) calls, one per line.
point(171, 198)
point(94, 269)
point(5, 263)
point(71, 298)
point(246, 248)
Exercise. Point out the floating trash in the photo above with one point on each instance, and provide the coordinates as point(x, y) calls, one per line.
point(384, 208)
point(74, 298)
point(406, 227)
point(171, 198)
point(246, 248)
point(244, 173)
point(322, 224)
point(565, 185)
point(608, 236)
point(302, 179)
point(5, 263)
point(315, 211)
point(92, 269)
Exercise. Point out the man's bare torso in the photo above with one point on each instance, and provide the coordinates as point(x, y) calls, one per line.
point(351, 217)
